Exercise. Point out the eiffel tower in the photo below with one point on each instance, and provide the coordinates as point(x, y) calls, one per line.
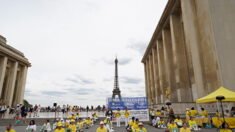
point(116, 90)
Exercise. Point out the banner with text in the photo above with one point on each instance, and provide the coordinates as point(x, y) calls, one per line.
point(138, 106)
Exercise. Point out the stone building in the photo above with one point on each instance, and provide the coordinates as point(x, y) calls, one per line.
point(13, 71)
point(191, 52)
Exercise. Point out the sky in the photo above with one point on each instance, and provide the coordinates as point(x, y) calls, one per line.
point(72, 45)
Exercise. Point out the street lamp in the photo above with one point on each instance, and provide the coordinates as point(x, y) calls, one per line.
point(220, 99)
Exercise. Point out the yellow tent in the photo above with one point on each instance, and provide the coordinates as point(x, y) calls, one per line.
point(229, 96)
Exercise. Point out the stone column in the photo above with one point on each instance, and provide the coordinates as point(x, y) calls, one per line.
point(180, 60)
point(168, 56)
point(3, 66)
point(192, 38)
point(161, 69)
point(23, 83)
point(156, 76)
point(146, 82)
point(152, 78)
point(149, 82)
point(11, 83)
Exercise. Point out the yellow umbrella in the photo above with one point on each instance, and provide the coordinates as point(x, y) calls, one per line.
point(211, 98)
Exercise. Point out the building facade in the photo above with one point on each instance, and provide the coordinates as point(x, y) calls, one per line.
point(191, 51)
point(13, 72)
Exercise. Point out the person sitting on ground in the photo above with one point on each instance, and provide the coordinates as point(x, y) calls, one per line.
point(193, 112)
point(178, 122)
point(80, 125)
point(187, 114)
point(204, 113)
point(46, 127)
point(135, 125)
point(141, 128)
point(72, 126)
point(185, 128)
point(77, 116)
point(9, 129)
point(59, 127)
point(158, 113)
point(108, 124)
point(89, 122)
point(161, 123)
point(218, 114)
point(101, 128)
point(192, 124)
point(154, 121)
point(225, 128)
point(172, 126)
point(31, 127)
point(130, 124)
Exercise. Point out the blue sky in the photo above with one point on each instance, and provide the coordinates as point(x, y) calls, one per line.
point(72, 45)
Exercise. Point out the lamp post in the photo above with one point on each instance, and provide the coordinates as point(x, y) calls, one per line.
point(169, 112)
point(220, 99)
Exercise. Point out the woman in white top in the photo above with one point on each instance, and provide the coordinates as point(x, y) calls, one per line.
point(31, 127)
point(46, 126)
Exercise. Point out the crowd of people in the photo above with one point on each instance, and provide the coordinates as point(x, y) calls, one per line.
point(166, 119)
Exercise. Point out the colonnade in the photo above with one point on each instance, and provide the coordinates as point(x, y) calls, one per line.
point(13, 72)
point(179, 65)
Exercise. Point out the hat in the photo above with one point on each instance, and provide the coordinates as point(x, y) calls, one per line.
point(187, 108)
point(59, 124)
point(101, 123)
point(72, 120)
point(140, 124)
point(108, 117)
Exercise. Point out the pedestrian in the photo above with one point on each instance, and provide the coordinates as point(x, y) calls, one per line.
point(35, 111)
point(31, 127)
point(23, 113)
point(109, 113)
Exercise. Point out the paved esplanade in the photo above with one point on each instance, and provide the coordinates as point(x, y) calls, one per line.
point(93, 129)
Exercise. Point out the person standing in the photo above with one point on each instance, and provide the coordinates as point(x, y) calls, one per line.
point(118, 117)
point(23, 113)
point(109, 113)
point(126, 115)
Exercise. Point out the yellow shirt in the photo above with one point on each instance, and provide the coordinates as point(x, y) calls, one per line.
point(73, 117)
point(141, 130)
point(59, 130)
point(135, 126)
point(73, 127)
point(11, 130)
point(185, 130)
point(170, 126)
point(192, 123)
point(218, 114)
point(178, 120)
point(158, 113)
point(160, 122)
point(193, 112)
point(80, 124)
point(89, 122)
point(204, 113)
point(99, 129)
point(131, 123)
point(127, 114)
point(118, 114)
point(225, 130)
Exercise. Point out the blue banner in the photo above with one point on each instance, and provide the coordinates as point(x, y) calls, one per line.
point(131, 103)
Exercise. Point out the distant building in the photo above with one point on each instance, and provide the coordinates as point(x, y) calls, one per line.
point(13, 72)
point(191, 52)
